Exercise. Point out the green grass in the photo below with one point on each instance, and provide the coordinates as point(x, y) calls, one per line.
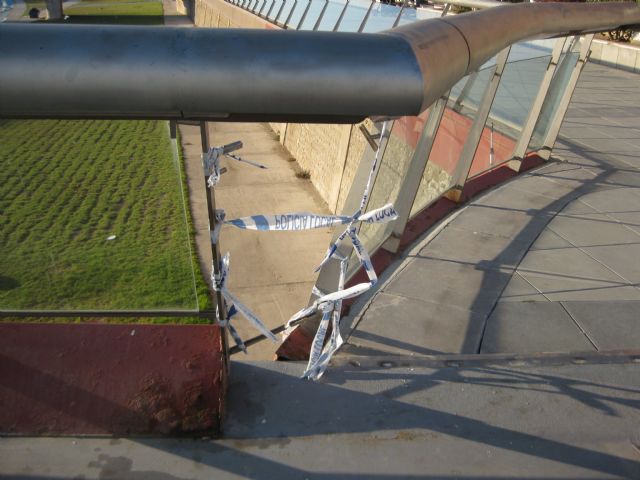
point(118, 12)
point(65, 187)
point(123, 13)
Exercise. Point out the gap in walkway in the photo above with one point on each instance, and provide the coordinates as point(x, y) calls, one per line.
point(272, 273)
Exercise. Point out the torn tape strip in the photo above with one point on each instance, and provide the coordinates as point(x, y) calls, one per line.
point(316, 369)
point(319, 357)
point(297, 221)
point(219, 282)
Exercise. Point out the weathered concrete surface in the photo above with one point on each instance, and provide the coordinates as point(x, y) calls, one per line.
point(495, 421)
point(566, 233)
point(270, 272)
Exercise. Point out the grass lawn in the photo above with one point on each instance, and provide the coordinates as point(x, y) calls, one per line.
point(122, 12)
point(67, 187)
point(118, 12)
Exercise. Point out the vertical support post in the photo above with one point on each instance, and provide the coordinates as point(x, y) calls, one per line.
point(445, 10)
point(339, 21)
point(554, 129)
point(397, 20)
point(366, 16)
point(304, 14)
point(413, 177)
point(273, 3)
point(279, 11)
point(211, 210)
point(319, 20)
point(475, 133)
point(286, 22)
point(520, 149)
point(465, 90)
point(264, 4)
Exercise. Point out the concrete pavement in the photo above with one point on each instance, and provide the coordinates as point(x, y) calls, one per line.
point(547, 262)
point(270, 272)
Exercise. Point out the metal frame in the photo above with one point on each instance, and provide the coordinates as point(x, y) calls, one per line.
point(275, 20)
point(286, 22)
point(205, 144)
point(470, 147)
point(339, 21)
point(366, 16)
point(554, 129)
point(520, 149)
point(304, 15)
point(320, 16)
point(415, 171)
point(273, 4)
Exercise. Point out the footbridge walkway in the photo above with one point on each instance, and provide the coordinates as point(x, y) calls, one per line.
point(547, 262)
point(544, 263)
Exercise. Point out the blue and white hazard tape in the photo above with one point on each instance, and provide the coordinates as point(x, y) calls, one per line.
point(219, 282)
point(297, 221)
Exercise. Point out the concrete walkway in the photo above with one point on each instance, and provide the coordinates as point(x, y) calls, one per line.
point(271, 273)
point(545, 263)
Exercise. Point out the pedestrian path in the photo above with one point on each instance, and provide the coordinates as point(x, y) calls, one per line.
point(545, 263)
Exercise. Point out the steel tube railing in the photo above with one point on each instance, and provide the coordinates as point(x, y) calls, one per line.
point(73, 71)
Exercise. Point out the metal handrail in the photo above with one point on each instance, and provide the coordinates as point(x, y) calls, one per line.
point(74, 71)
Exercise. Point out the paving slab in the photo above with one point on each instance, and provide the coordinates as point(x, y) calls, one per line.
point(585, 231)
point(479, 249)
point(609, 325)
point(417, 327)
point(519, 290)
point(450, 283)
point(494, 421)
point(528, 327)
point(570, 264)
point(549, 240)
point(560, 288)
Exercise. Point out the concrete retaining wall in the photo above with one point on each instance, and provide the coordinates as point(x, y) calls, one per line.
point(624, 57)
point(329, 153)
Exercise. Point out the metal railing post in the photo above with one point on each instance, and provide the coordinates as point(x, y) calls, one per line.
point(304, 14)
point(366, 16)
point(445, 10)
point(324, 9)
point(468, 85)
point(339, 21)
point(264, 4)
point(286, 22)
point(279, 11)
point(211, 211)
point(554, 129)
point(475, 133)
point(273, 4)
point(397, 20)
point(520, 150)
point(413, 177)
